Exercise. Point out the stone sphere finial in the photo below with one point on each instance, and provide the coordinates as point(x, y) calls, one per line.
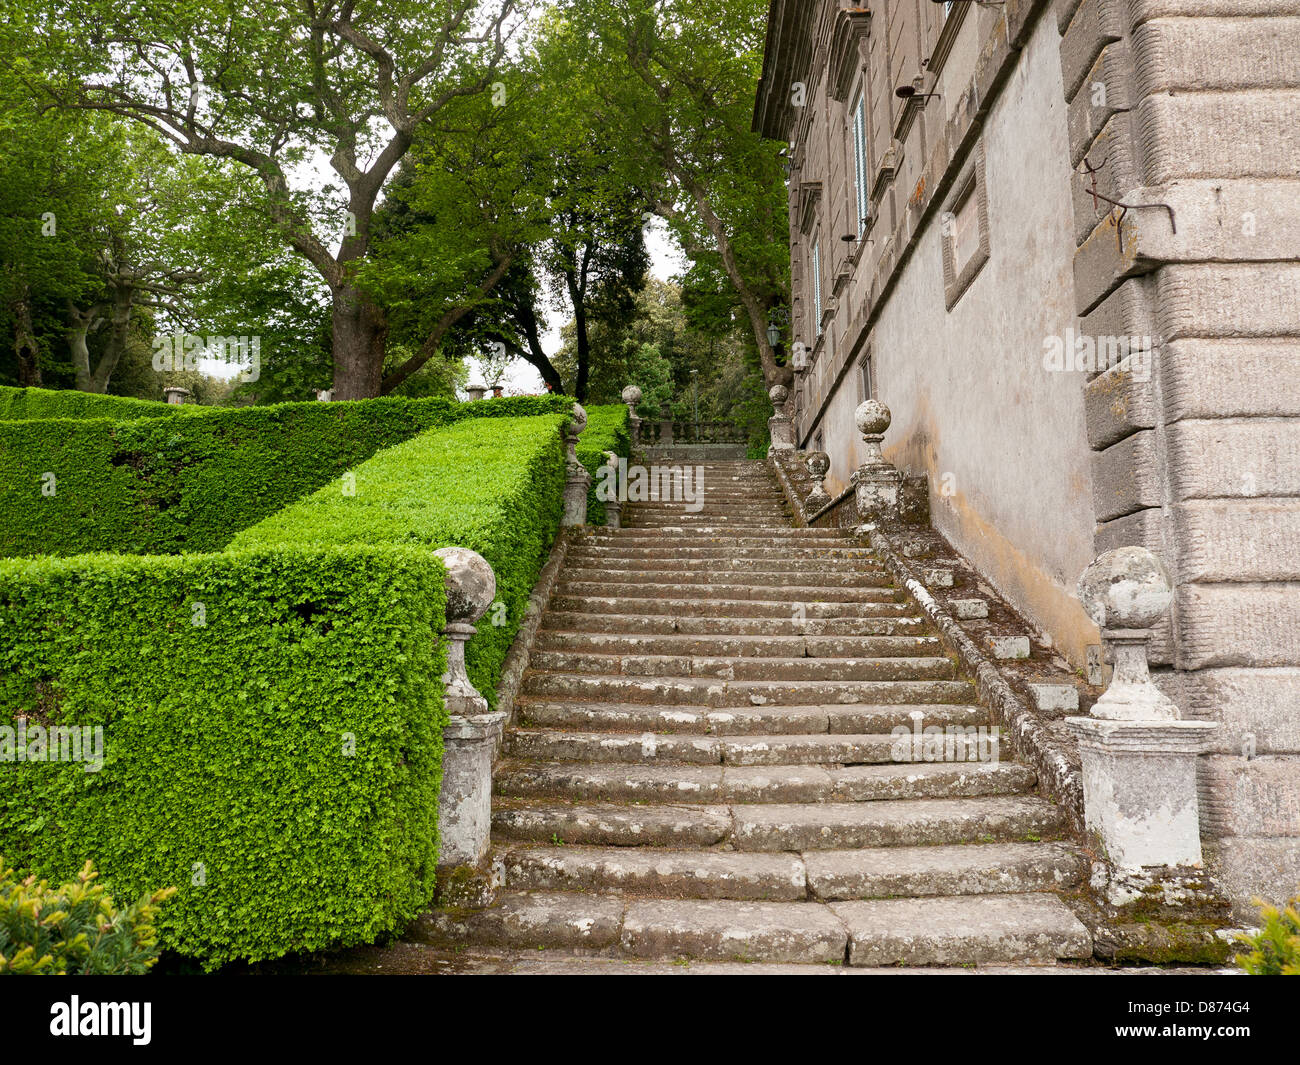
point(818, 464)
point(471, 584)
point(579, 422)
point(872, 418)
point(1127, 588)
point(778, 394)
point(631, 395)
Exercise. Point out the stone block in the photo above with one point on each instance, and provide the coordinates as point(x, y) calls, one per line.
point(1230, 377)
point(1120, 401)
point(1103, 102)
point(1238, 540)
point(1259, 797)
point(1249, 867)
point(1205, 300)
point(1261, 702)
point(1236, 625)
point(1053, 697)
point(937, 578)
point(1240, 458)
point(1218, 135)
point(1126, 477)
point(1007, 647)
point(1196, 54)
point(1095, 24)
point(969, 609)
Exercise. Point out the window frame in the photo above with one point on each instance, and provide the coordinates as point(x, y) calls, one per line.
point(971, 183)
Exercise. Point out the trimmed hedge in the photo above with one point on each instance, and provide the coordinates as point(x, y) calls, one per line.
point(226, 769)
point(497, 492)
point(20, 404)
point(165, 485)
point(608, 429)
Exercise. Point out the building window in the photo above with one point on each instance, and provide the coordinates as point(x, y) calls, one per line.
point(866, 379)
point(819, 442)
point(817, 285)
point(964, 230)
point(860, 162)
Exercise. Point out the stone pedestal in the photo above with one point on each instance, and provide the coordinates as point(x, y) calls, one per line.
point(475, 391)
point(1139, 788)
point(176, 395)
point(876, 483)
point(780, 429)
point(1139, 758)
point(465, 804)
point(577, 479)
point(665, 426)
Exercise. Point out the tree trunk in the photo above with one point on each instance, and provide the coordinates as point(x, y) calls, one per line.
point(360, 333)
point(26, 346)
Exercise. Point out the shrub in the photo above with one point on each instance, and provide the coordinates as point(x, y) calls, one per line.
point(1275, 948)
point(165, 485)
point(75, 929)
point(17, 404)
point(497, 492)
point(271, 737)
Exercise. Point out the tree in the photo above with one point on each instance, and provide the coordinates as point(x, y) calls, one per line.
point(685, 90)
point(272, 88)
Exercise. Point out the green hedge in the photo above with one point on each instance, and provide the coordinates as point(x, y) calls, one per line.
point(496, 492)
point(18, 404)
point(165, 485)
point(227, 771)
point(608, 429)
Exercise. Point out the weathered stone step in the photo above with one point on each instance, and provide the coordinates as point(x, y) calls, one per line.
point(897, 667)
point(615, 782)
point(957, 869)
point(963, 930)
point(661, 575)
point(699, 691)
point(668, 624)
point(759, 589)
point(814, 563)
point(741, 721)
point(608, 824)
point(802, 556)
point(715, 606)
point(906, 822)
point(740, 646)
point(930, 931)
point(823, 748)
point(759, 534)
point(694, 874)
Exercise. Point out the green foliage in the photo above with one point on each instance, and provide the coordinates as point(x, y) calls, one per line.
point(22, 404)
point(1275, 948)
point(75, 928)
point(496, 490)
point(272, 726)
point(189, 483)
point(607, 430)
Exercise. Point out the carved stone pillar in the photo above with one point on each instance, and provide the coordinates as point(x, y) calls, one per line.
point(632, 396)
point(472, 733)
point(665, 425)
point(577, 479)
point(875, 482)
point(1139, 757)
point(818, 463)
point(779, 427)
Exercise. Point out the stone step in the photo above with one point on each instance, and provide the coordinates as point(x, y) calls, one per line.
point(694, 874)
point(905, 822)
point(958, 869)
point(815, 563)
point(968, 929)
point(669, 624)
point(773, 826)
point(801, 556)
point(741, 646)
point(760, 534)
point(616, 782)
point(741, 721)
point(823, 876)
point(822, 748)
point(700, 691)
point(714, 606)
point(930, 931)
point(760, 590)
point(897, 667)
point(660, 574)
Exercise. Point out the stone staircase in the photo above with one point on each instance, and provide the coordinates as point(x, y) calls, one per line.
point(703, 764)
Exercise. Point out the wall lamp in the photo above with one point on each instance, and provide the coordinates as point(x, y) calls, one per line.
point(910, 92)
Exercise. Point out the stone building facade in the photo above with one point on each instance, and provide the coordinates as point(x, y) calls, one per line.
point(1067, 257)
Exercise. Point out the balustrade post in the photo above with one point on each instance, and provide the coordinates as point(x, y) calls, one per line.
point(819, 464)
point(577, 479)
point(875, 482)
point(779, 427)
point(632, 396)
